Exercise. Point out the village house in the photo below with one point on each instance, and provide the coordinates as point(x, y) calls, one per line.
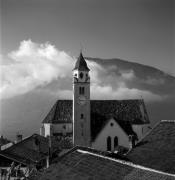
point(29, 152)
point(34, 149)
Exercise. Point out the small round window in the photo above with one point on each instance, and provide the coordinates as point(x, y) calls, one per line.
point(81, 75)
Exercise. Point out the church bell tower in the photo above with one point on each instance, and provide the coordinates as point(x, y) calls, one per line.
point(81, 103)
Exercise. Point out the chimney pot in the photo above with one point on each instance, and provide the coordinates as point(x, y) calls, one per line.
point(131, 141)
point(18, 138)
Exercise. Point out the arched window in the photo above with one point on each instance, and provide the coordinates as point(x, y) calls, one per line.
point(81, 90)
point(108, 143)
point(81, 75)
point(115, 141)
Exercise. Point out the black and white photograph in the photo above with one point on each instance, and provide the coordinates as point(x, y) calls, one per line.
point(87, 89)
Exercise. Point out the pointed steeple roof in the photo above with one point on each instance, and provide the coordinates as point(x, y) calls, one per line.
point(81, 64)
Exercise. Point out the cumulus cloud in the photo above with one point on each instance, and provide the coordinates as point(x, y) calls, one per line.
point(111, 83)
point(128, 75)
point(154, 81)
point(35, 65)
point(107, 92)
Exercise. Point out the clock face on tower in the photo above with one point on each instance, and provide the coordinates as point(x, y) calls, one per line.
point(82, 100)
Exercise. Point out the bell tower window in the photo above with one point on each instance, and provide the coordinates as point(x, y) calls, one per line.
point(81, 90)
point(81, 75)
point(82, 116)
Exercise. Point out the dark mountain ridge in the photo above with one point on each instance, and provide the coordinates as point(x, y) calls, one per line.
point(124, 64)
point(146, 77)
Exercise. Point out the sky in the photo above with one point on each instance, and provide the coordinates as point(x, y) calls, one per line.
point(41, 39)
point(137, 30)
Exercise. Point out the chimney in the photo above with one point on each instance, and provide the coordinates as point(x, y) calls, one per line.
point(18, 137)
point(131, 141)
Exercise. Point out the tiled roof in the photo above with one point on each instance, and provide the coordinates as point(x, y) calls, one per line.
point(61, 112)
point(157, 149)
point(83, 164)
point(132, 111)
point(81, 64)
point(24, 152)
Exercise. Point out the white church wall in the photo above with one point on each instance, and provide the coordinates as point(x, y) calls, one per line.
point(47, 129)
point(100, 142)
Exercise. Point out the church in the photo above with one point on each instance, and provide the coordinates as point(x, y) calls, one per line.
point(101, 124)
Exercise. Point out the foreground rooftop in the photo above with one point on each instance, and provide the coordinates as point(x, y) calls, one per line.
point(83, 163)
point(157, 149)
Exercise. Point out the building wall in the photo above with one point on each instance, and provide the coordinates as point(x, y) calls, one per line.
point(112, 131)
point(47, 130)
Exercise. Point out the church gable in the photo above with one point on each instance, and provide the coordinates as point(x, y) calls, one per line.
point(125, 111)
point(111, 135)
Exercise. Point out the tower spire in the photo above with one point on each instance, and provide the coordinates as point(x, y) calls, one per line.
point(81, 64)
